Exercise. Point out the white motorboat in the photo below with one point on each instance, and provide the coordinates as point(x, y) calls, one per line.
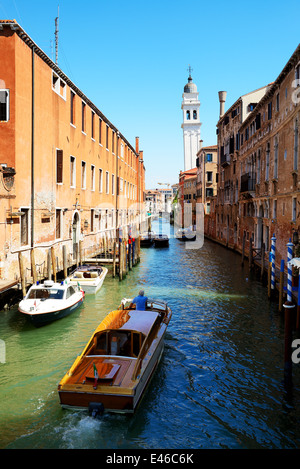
point(48, 301)
point(89, 277)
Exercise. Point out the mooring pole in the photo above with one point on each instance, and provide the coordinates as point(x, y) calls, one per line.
point(281, 284)
point(273, 249)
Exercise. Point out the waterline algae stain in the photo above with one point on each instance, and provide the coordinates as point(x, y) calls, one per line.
point(219, 382)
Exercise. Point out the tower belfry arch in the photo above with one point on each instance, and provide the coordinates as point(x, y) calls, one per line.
point(191, 122)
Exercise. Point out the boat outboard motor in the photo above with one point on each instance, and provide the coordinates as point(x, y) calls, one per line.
point(96, 409)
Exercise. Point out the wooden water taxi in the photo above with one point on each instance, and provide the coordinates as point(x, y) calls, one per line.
point(89, 277)
point(115, 367)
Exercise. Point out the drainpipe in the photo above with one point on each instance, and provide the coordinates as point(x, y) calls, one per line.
point(32, 151)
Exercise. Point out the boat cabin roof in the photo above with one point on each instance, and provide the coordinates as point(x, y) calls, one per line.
point(140, 321)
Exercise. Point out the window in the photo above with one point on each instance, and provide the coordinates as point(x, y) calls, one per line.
point(59, 166)
point(58, 85)
point(24, 226)
point(276, 158)
point(277, 102)
point(258, 168)
point(107, 137)
point(100, 131)
point(209, 157)
point(275, 209)
point(113, 184)
point(83, 109)
point(270, 110)
point(294, 209)
point(4, 105)
point(92, 124)
point(113, 142)
point(83, 175)
point(72, 171)
point(92, 219)
point(107, 182)
point(194, 115)
point(296, 145)
point(267, 162)
point(58, 223)
point(100, 180)
point(92, 177)
point(72, 107)
point(209, 176)
point(188, 115)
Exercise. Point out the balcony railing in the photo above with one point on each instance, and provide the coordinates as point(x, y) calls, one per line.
point(247, 183)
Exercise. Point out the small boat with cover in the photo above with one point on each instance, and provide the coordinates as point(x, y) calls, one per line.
point(114, 369)
point(89, 277)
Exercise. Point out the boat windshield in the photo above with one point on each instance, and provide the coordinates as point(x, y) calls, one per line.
point(46, 293)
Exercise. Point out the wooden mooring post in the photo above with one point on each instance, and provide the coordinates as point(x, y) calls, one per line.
point(22, 274)
point(65, 264)
point(33, 266)
point(269, 276)
point(53, 263)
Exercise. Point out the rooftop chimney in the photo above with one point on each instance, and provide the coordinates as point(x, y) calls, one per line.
point(222, 99)
point(137, 145)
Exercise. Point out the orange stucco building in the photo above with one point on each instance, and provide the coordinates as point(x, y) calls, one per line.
point(68, 174)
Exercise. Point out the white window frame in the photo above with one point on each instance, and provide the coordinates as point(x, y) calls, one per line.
point(72, 173)
point(83, 174)
point(107, 182)
point(100, 180)
point(93, 177)
point(7, 104)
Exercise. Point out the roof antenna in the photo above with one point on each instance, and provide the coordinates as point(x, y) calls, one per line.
point(56, 36)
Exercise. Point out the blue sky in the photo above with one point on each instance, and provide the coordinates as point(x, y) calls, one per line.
point(131, 59)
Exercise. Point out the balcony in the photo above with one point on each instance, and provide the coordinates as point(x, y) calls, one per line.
point(225, 159)
point(247, 183)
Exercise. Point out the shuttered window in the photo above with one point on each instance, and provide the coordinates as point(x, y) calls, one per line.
point(58, 223)
point(59, 166)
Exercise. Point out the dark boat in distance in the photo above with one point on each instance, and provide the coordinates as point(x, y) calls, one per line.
point(161, 240)
point(185, 234)
point(114, 369)
point(147, 238)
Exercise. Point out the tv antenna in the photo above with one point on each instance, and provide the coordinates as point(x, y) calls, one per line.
point(56, 36)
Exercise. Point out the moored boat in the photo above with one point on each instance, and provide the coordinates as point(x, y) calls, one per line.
point(49, 301)
point(89, 277)
point(146, 238)
point(185, 234)
point(115, 367)
point(161, 240)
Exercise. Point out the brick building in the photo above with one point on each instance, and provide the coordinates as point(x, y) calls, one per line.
point(67, 173)
point(258, 161)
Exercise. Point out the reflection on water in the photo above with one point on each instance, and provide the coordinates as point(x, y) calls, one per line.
point(219, 384)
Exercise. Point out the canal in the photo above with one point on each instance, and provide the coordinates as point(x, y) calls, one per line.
point(219, 384)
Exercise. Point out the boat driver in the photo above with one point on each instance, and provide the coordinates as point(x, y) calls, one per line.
point(140, 301)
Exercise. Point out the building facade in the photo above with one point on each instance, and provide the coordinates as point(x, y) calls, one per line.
point(228, 144)
point(68, 174)
point(207, 176)
point(187, 192)
point(258, 162)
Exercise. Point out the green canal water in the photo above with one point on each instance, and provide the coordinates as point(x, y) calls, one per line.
point(219, 383)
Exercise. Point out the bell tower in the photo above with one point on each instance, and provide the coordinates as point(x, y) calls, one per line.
point(191, 123)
